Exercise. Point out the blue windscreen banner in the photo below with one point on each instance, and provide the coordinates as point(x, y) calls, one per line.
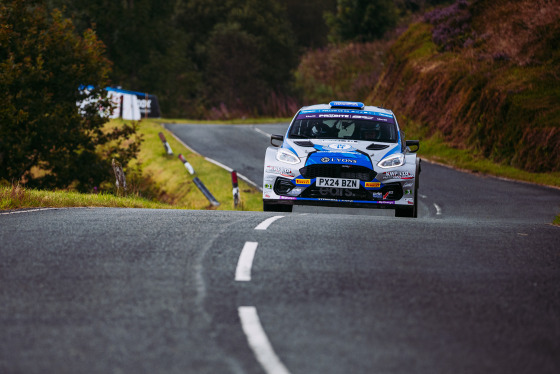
point(148, 104)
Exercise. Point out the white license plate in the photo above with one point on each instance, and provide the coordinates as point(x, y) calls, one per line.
point(338, 183)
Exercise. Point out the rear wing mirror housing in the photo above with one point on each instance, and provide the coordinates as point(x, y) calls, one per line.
point(279, 138)
point(413, 143)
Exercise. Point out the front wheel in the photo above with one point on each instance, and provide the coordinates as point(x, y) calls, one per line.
point(410, 211)
point(277, 207)
point(406, 211)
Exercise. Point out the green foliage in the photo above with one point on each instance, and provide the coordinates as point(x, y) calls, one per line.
point(149, 53)
point(18, 197)
point(307, 21)
point(361, 20)
point(495, 94)
point(246, 50)
point(435, 148)
point(347, 71)
point(45, 140)
point(196, 55)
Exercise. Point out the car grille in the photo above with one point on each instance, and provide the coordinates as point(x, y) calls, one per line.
point(393, 191)
point(336, 193)
point(283, 186)
point(338, 171)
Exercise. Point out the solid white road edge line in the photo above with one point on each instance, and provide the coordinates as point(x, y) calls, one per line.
point(245, 262)
point(227, 168)
point(438, 209)
point(267, 222)
point(179, 140)
point(259, 342)
point(262, 132)
point(213, 161)
point(28, 211)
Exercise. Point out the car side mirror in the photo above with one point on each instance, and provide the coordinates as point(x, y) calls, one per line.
point(413, 143)
point(280, 138)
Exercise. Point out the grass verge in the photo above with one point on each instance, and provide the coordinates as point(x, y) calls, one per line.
point(163, 182)
point(169, 181)
point(434, 148)
point(17, 197)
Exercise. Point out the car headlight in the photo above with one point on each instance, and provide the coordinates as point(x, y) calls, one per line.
point(287, 156)
point(392, 161)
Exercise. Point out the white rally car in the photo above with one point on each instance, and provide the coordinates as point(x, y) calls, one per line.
point(342, 154)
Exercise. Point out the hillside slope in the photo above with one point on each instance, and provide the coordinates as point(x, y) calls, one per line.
point(486, 76)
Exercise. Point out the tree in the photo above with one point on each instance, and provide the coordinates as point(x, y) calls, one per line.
point(234, 69)
point(170, 48)
point(307, 21)
point(46, 140)
point(361, 20)
point(245, 49)
point(149, 53)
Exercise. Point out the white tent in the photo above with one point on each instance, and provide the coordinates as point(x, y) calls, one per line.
point(126, 106)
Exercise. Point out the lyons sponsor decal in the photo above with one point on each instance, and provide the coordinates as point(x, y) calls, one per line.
point(339, 160)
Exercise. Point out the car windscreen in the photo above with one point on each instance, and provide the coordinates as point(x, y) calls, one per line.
point(344, 128)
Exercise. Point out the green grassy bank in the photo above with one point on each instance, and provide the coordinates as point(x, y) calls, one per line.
point(155, 180)
point(167, 180)
point(434, 147)
point(17, 197)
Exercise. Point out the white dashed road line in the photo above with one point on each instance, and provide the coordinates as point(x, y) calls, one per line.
point(250, 322)
point(245, 262)
point(259, 342)
point(267, 222)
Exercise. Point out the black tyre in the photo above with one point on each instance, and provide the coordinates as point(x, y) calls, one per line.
point(406, 211)
point(277, 207)
point(411, 211)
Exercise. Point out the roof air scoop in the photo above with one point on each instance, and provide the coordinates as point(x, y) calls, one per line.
point(346, 104)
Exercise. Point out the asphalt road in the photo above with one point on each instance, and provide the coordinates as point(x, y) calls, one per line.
point(471, 286)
